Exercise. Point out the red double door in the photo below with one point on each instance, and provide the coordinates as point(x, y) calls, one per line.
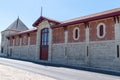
point(44, 44)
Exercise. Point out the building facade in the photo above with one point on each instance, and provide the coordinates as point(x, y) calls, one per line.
point(91, 41)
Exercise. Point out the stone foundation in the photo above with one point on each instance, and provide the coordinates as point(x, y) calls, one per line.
point(101, 54)
point(23, 52)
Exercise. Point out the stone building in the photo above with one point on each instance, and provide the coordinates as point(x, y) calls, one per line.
point(91, 41)
point(16, 27)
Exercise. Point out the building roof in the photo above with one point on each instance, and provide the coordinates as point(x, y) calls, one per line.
point(100, 15)
point(24, 32)
point(41, 18)
point(17, 25)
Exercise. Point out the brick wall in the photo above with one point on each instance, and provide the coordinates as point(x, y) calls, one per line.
point(82, 33)
point(17, 41)
point(109, 22)
point(58, 35)
point(33, 38)
point(24, 39)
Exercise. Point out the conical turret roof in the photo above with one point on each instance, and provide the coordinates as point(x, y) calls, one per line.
point(17, 25)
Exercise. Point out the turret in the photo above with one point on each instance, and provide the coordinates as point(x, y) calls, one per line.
point(14, 28)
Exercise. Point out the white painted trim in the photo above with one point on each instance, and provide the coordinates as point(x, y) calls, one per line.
point(98, 30)
point(70, 43)
point(76, 28)
point(29, 41)
point(20, 41)
point(117, 31)
point(66, 36)
point(87, 34)
point(102, 41)
point(42, 25)
point(109, 41)
point(50, 47)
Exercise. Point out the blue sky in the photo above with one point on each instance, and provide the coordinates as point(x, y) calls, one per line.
point(29, 10)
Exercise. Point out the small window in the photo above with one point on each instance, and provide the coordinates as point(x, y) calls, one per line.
point(87, 50)
point(2, 49)
point(76, 33)
point(101, 30)
point(118, 54)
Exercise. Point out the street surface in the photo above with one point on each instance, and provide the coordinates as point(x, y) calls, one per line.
point(59, 73)
point(10, 73)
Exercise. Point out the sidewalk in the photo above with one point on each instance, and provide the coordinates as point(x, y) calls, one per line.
point(10, 73)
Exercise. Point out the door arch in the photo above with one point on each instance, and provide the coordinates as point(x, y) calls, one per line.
point(44, 44)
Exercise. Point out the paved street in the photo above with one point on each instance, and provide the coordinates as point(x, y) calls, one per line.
point(59, 73)
point(10, 73)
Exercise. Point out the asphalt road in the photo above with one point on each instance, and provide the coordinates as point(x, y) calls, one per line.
point(59, 73)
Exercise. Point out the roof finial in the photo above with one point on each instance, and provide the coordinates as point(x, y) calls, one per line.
point(18, 17)
point(17, 22)
point(41, 11)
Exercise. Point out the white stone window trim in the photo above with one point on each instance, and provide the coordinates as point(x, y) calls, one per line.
point(98, 30)
point(74, 33)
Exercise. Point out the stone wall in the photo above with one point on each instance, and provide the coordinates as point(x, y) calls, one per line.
point(4, 40)
point(76, 54)
point(101, 54)
point(69, 54)
point(24, 52)
point(58, 54)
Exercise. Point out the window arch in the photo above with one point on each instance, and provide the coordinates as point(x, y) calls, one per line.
point(76, 33)
point(101, 30)
point(44, 36)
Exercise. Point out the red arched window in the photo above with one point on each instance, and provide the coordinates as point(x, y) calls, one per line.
point(44, 36)
point(101, 30)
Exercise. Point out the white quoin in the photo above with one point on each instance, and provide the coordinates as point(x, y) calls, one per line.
point(87, 34)
point(117, 30)
point(66, 36)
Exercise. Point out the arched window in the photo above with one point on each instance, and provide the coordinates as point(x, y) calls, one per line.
point(44, 36)
point(101, 30)
point(76, 33)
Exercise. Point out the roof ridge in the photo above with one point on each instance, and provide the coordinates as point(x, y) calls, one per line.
point(93, 14)
point(17, 25)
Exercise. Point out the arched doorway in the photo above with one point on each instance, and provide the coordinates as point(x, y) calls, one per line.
point(44, 44)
